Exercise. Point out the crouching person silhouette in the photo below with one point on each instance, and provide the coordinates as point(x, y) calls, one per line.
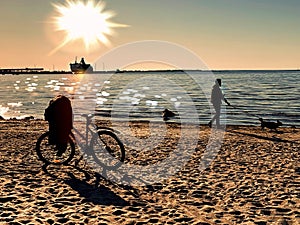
point(59, 115)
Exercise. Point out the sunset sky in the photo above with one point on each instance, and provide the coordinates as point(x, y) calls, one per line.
point(225, 34)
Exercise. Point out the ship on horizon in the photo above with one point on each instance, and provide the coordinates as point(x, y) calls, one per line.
point(81, 67)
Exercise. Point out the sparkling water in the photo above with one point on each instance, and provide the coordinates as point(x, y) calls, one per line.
point(128, 96)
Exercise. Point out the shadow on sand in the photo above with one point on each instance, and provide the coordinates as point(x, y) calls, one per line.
point(273, 138)
point(92, 192)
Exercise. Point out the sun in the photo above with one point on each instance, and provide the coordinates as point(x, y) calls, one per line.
point(84, 20)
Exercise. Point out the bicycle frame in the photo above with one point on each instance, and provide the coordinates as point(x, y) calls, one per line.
point(86, 135)
point(86, 141)
point(88, 130)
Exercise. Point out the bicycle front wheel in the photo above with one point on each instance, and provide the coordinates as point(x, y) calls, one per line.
point(48, 153)
point(108, 150)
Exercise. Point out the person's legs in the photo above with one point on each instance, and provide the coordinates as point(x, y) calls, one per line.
point(217, 116)
point(212, 120)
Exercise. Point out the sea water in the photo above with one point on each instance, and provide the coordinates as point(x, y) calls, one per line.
point(129, 96)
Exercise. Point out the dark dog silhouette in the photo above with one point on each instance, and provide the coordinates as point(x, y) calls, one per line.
point(270, 125)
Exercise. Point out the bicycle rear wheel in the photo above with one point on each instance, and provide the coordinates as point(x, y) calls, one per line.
point(48, 153)
point(108, 150)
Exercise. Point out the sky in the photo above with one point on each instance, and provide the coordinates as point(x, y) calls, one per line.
point(224, 34)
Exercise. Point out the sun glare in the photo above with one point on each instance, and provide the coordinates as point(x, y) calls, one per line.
point(86, 21)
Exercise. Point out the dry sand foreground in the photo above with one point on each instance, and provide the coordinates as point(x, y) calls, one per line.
point(255, 179)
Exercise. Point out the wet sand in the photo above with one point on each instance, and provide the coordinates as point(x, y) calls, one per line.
point(254, 179)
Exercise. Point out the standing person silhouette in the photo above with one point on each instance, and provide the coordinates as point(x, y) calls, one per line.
point(216, 99)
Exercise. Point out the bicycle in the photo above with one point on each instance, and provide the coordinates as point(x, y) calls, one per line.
point(105, 148)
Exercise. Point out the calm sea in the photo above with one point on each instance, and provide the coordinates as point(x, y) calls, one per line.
point(271, 95)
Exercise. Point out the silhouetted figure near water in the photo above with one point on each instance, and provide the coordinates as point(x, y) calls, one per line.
point(167, 114)
point(59, 115)
point(216, 99)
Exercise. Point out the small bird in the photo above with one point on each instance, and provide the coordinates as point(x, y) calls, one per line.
point(166, 114)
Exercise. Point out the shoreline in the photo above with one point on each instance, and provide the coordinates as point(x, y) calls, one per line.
point(254, 179)
point(116, 120)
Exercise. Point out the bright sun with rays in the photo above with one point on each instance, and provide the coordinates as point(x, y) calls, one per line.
point(86, 21)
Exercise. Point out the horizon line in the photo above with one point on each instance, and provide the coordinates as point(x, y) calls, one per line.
point(40, 70)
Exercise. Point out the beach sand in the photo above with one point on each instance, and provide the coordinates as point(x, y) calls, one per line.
point(254, 179)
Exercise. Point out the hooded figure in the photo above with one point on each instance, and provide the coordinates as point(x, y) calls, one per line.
point(59, 115)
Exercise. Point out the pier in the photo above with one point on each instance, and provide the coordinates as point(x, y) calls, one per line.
point(31, 71)
point(20, 71)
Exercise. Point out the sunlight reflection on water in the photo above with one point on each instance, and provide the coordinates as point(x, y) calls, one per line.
point(269, 95)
